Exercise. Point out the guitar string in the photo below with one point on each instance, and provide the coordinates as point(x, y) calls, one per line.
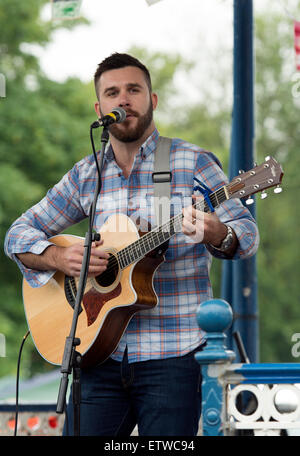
point(155, 235)
point(160, 234)
point(113, 262)
point(170, 224)
point(216, 198)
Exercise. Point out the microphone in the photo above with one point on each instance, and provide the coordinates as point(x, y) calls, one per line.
point(117, 115)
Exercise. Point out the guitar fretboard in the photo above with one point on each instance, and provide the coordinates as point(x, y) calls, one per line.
point(159, 235)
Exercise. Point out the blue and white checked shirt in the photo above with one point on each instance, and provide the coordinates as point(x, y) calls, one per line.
point(182, 281)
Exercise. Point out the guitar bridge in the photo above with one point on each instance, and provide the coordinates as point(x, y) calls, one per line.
point(71, 291)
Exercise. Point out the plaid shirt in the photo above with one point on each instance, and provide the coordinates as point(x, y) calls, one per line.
point(182, 281)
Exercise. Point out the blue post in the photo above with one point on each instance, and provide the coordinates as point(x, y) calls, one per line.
point(239, 281)
point(214, 317)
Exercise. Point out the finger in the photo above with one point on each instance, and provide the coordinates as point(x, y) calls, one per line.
point(188, 214)
point(98, 243)
point(197, 198)
point(197, 234)
point(96, 261)
point(191, 215)
point(188, 226)
point(96, 270)
point(193, 227)
point(195, 213)
point(199, 215)
point(199, 231)
point(99, 253)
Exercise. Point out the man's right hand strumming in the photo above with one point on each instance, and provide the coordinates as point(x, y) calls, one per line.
point(67, 259)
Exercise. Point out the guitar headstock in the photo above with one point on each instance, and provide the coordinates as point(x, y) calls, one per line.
point(258, 179)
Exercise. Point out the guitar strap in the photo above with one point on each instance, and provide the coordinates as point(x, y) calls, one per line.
point(162, 177)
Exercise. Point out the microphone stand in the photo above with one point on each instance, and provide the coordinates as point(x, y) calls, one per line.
point(71, 361)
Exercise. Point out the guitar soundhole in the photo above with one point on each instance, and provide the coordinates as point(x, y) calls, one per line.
point(110, 274)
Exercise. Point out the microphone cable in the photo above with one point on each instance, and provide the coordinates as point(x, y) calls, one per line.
point(17, 382)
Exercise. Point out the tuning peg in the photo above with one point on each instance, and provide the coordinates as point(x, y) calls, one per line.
point(263, 195)
point(249, 201)
point(277, 189)
point(241, 171)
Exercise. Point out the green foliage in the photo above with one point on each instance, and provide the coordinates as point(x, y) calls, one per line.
point(278, 134)
point(44, 129)
point(21, 23)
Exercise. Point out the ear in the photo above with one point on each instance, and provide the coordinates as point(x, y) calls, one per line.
point(154, 100)
point(97, 109)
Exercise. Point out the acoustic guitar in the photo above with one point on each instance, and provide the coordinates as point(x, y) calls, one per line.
point(111, 299)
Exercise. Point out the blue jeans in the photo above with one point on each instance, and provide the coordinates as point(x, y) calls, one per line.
point(163, 397)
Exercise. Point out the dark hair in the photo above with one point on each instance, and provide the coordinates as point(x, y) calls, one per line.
point(116, 61)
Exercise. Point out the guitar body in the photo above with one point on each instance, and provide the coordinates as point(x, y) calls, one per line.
point(107, 305)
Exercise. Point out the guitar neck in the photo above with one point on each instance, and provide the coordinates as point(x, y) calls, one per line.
point(159, 235)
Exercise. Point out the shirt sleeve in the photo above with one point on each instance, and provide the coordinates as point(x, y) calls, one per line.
point(32, 232)
point(231, 212)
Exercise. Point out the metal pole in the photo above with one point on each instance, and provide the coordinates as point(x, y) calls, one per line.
point(239, 281)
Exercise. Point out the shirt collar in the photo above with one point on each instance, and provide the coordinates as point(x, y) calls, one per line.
point(146, 148)
point(150, 144)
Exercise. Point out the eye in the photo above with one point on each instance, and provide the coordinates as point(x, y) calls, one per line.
point(134, 90)
point(111, 92)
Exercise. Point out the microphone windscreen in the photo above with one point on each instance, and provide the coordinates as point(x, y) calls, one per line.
point(120, 114)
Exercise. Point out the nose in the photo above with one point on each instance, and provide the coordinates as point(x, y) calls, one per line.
point(124, 99)
point(124, 104)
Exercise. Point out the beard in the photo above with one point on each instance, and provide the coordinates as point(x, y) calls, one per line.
point(131, 134)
